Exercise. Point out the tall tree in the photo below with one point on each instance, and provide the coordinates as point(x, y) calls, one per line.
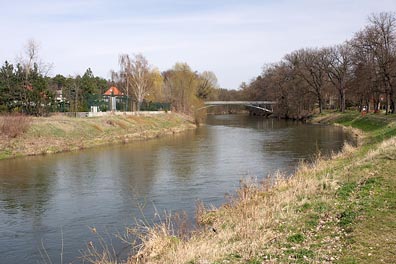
point(181, 87)
point(378, 41)
point(30, 57)
point(8, 82)
point(206, 84)
point(138, 75)
point(338, 66)
point(88, 83)
point(157, 91)
point(308, 64)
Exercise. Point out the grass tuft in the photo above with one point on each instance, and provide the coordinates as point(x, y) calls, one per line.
point(296, 238)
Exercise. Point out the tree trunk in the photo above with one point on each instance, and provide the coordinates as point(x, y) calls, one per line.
point(320, 101)
point(368, 105)
point(342, 100)
point(388, 103)
point(361, 105)
point(139, 103)
point(376, 105)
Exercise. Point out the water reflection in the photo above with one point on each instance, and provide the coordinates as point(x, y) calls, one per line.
point(27, 193)
point(102, 187)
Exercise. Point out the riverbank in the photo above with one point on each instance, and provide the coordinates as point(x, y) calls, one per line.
point(341, 209)
point(46, 135)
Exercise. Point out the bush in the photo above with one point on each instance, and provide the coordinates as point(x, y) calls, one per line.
point(13, 125)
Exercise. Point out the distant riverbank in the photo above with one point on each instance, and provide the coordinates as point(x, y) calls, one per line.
point(25, 136)
point(340, 210)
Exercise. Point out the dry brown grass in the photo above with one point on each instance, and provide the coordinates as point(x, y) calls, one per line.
point(246, 224)
point(243, 225)
point(59, 133)
point(13, 125)
point(384, 150)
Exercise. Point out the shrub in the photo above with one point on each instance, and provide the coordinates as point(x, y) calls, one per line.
point(13, 125)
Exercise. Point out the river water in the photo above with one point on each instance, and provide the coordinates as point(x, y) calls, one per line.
point(48, 204)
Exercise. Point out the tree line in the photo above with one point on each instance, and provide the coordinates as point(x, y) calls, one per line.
point(184, 88)
point(360, 73)
point(25, 86)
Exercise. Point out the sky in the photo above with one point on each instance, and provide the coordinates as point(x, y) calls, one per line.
point(234, 39)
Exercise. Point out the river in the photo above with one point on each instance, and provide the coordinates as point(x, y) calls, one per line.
point(48, 204)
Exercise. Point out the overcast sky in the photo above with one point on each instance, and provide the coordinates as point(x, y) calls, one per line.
point(234, 39)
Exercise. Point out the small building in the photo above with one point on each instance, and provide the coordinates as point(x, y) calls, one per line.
point(111, 96)
point(113, 91)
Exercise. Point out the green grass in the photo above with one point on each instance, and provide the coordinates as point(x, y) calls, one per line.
point(356, 222)
point(373, 239)
point(299, 255)
point(296, 238)
point(312, 221)
point(379, 126)
point(368, 123)
point(367, 197)
point(345, 191)
point(5, 154)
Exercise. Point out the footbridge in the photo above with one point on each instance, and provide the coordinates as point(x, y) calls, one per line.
point(262, 106)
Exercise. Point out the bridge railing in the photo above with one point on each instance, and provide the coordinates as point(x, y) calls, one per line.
point(240, 102)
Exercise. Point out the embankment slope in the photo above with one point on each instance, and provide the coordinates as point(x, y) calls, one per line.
point(59, 133)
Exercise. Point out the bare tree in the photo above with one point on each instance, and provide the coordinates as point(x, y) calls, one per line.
point(378, 41)
point(30, 59)
point(138, 76)
point(362, 71)
point(338, 66)
point(308, 64)
point(207, 82)
point(115, 77)
point(31, 56)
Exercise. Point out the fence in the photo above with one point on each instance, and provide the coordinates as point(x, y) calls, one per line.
point(108, 103)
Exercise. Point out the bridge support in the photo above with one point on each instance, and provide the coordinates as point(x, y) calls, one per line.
point(257, 112)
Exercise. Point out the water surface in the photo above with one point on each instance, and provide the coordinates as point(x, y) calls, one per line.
point(47, 201)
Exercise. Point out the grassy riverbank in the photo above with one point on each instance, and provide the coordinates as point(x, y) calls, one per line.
point(338, 210)
point(23, 136)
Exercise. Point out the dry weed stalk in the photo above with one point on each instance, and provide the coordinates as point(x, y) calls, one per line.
point(99, 252)
point(150, 240)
